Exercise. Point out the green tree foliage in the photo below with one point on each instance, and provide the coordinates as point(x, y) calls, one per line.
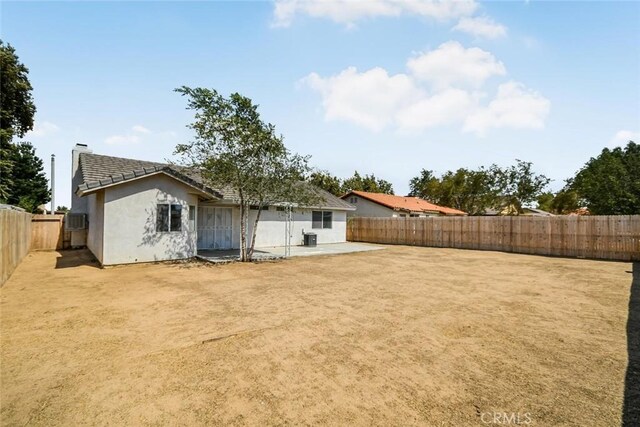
point(476, 191)
point(16, 110)
point(517, 185)
point(367, 183)
point(610, 183)
point(545, 201)
point(563, 202)
point(29, 187)
point(233, 148)
point(357, 182)
point(326, 181)
point(472, 191)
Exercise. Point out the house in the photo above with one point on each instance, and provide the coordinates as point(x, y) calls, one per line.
point(387, 205)
point(138, 211)
point(511, 210)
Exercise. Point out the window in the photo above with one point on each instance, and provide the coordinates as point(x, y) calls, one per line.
point(321, 219)
point(169, 218)
point(403, 215)
point(176, 217)
point(414, 215)
point(192, 217)
point(353, 200)
point(256, 207)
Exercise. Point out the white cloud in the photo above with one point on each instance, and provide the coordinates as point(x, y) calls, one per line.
point(452, 64)
point(441, 89)
point(133, 137)
point(349, 11)
point(622, 137)
point(446, 107)
point(122, 140)
point(369, 99)
point(514, 106)
point(140, 129)
point(481, 26)
point(43, 129)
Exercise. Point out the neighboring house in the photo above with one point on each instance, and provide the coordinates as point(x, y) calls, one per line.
point(141, 211)
point(388, 205)
point(535, 212)
point(511, 210)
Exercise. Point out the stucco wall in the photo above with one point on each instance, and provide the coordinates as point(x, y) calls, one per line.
point(95, 205)
point(271, 228)
point(367, 208)
point(130, 221)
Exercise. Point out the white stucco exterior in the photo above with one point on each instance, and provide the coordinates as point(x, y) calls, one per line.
point(95, 232)
point(130, 213)
point(122, 222)
point(271, 227)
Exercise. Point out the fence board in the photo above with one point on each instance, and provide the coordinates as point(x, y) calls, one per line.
point(15, 238)
point(48, 233)
point(596, 237)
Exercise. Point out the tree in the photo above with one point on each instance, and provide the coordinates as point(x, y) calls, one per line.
point(367, 183)
point(16, 110)
point(29, 187)
point(610, 183)
point(476, 191)
point(565, 201)
point(471, 191)
point(545, 201)
point(426, 185)
point(326, 181)
point(518, 185)
point(233, 148)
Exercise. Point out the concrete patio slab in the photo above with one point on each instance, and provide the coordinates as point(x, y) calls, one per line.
point(279, 252)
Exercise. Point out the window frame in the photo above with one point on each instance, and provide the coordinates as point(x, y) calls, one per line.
point(168, 209)
point(321, 224)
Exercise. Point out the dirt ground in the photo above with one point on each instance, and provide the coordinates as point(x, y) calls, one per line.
point(400, 336)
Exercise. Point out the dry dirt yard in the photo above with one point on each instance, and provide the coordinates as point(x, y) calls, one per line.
point(400, 336)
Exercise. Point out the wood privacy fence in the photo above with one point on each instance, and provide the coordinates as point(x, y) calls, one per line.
point(597, 237)
point(15, 239)
point(48, 233)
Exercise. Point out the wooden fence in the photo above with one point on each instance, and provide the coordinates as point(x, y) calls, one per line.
point(15, 239)
point(48, 233)
point(597, 237)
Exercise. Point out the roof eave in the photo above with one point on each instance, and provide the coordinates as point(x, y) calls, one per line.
point(85, 190)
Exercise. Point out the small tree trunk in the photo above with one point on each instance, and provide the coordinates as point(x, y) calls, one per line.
point(254, 232)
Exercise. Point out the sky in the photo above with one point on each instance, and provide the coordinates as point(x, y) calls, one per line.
point(387, 87)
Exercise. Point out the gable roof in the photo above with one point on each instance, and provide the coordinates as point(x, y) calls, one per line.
point(405, 203)
point(99, 171)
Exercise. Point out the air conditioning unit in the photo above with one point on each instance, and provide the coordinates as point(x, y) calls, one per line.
point(75, 221)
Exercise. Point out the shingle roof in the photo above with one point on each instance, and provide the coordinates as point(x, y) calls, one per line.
point(100, 171)
point(405, 203)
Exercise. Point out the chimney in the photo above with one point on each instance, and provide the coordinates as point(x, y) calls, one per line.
point(78, 204)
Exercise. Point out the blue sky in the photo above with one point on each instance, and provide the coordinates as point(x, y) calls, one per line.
point(379, 86)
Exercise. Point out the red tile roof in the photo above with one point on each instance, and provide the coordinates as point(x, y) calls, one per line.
point(405, 203)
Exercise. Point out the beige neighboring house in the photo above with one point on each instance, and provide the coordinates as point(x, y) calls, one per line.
point(128, 211)
point(387, 205)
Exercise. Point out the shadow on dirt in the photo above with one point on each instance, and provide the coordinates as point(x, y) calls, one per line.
point(631, 407)
point(75, 258)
